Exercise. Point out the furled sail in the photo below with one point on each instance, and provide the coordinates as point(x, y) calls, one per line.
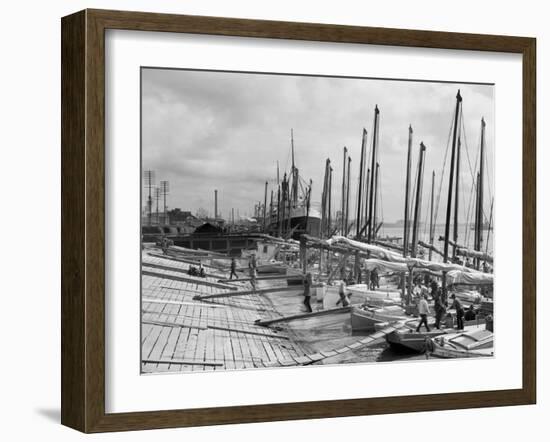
point(391, 256)
point(471, 278)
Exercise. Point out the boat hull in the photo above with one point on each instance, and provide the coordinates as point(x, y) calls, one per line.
point(368, 320)
point(412, 340)
point(301, 223)
point(474, 342)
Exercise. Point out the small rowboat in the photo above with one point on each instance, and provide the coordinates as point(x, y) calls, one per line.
point(367, 319)
point(409, 338)
point(473, 343)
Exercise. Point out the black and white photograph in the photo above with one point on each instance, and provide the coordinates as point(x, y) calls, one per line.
point(294, 220)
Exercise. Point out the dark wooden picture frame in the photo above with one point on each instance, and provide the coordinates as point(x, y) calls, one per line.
point(83, 220)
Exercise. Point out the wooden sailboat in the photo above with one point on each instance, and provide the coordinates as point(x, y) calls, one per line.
point(475, 342)
point(364, 318)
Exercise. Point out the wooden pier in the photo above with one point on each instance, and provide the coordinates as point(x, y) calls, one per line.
point(191, 323)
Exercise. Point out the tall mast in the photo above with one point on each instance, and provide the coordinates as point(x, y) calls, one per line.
point(283, 203)
point(308, 196)
point(418, 202)
point(347, 197)
point(279, 230)
point(374, 221)
point(432, 216)
point(360, 191)
point(271, 210)
point(489, 227)
point(367, 192)
point(451, 176)
point(374, 145)
point(265, 207)
point(457, 198)
point(330, 203)
point(326, 225)
point(324, 200)
point(479, 231)
point(289, 199)
point(476, 222)
point(407, 189)
point(294, 194)
point(343, 221)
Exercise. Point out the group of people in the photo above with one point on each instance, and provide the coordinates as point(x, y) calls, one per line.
point(197, 271)
point(252, 269)
point(374, 280)
point(421, 293)
point(165, 244)
point(342, 292)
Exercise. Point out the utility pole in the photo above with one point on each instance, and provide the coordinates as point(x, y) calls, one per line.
point(149, 177)
point(165, 190)
point(157, 198)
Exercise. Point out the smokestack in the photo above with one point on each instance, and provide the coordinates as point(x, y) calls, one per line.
point(216, 204)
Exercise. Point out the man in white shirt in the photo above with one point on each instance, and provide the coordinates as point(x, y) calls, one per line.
point(423, 311)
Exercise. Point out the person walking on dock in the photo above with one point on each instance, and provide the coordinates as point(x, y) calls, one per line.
point(233, 269)
point(423, 310)
point(252, 264)
point(164, 245)
point(457, 305)
point(253, 277)
point(344, 300)
point(374, 280)
point(307, 291)
point(439, 308)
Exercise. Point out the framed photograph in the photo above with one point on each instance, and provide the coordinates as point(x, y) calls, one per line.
point(267, 220)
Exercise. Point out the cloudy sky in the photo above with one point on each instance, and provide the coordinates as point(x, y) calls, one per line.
point(217, 130)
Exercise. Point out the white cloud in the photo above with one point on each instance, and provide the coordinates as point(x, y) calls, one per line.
point(207, 130)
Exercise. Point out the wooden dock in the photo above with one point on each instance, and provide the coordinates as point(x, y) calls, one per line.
point(188, 325)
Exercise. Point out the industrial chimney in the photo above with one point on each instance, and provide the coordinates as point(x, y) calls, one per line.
point(216, 204)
